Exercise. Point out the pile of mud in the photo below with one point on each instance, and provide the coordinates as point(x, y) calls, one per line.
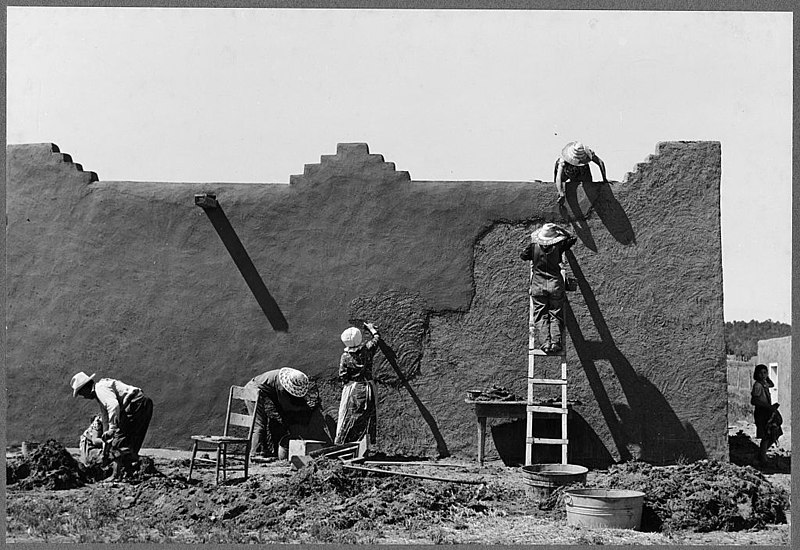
point(703, 496)
point(330, 497)
point(51, 466)
point(323, 502)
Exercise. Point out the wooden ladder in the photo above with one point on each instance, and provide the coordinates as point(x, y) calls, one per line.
point(532, 407)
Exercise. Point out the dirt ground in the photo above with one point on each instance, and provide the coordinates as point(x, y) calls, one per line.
point(328, 504)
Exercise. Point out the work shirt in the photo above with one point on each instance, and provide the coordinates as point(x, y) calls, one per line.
point(112, 395)
point(547, 260)
point(284, 401)
point(356, 366)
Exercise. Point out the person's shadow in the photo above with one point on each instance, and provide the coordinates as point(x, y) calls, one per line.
point(584, 198)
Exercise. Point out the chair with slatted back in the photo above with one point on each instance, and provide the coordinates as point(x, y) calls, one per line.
point(228, 446)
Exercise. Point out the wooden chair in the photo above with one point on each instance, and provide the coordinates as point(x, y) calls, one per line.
point(221, 443)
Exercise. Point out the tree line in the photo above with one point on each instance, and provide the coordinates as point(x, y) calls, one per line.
point(741, 337)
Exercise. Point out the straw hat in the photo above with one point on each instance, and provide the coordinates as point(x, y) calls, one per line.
point(351, 338)
point(293, 381)
point(79, 381)
point(548, 234)
point(576, 153)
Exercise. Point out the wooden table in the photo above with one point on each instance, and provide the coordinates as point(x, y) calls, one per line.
point(501, 409)
point(494, 409)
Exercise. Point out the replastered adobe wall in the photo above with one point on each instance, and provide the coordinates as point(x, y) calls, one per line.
point(132, 280)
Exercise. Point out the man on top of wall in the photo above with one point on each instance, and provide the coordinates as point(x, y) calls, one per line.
point(573, 165)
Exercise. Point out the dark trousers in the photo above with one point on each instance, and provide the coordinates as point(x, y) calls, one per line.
point(268, 428)
point(548, 302)
point(134, 421)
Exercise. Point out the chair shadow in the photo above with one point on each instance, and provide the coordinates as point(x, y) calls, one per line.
point(647, 428)
point(242, 260)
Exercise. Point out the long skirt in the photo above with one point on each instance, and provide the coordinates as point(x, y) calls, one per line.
point(761, 417)
point(358, 413)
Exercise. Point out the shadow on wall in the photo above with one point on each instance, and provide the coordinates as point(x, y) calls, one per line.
point(582, 199)
point(400, 319)
point(646, 428)
point(242, 260)
point(585, 447)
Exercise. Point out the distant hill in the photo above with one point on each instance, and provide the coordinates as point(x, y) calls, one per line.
point(741, 337)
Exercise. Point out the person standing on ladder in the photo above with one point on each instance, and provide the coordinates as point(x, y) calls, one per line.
point(547, 290)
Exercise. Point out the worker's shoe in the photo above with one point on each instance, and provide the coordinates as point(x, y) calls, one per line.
point(555, 348)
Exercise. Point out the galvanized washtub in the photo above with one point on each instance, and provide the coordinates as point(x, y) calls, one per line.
point(611, 508)
point(542, 479)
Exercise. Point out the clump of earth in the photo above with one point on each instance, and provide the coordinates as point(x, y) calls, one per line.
point(707, 495)
point(52, 467)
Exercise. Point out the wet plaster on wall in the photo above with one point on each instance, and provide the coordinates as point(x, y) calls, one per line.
point(130, 280)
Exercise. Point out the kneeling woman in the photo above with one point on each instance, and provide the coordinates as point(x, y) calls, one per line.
point(357, 410)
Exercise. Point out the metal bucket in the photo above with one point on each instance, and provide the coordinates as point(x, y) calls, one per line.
point(28, 448)
point(283, 448)
point(542, 479)
point(611, 508)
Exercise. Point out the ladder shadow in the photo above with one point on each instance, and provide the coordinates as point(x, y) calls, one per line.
point(245, 265)
point(647, 427)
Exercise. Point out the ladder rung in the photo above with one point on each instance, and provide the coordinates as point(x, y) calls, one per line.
point(537, 351)
point(545, 409)
point(548, 381)
point(547, 441)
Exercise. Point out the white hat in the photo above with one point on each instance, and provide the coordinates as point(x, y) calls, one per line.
point(79, 381)
point(351, 338)
point(576, 153)
point(548, 234)
point(293, 381)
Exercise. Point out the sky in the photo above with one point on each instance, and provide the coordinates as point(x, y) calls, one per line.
point(251, 95)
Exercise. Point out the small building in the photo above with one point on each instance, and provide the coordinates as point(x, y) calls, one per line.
point(776, 354)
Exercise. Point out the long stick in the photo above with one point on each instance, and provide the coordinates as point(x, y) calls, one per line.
point(417, 463)
point(392, 472)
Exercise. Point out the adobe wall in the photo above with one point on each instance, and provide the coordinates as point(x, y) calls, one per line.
point(740, 384)
point(131, 280)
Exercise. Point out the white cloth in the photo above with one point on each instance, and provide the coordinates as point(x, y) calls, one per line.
point(113, 396)
point(346, 391)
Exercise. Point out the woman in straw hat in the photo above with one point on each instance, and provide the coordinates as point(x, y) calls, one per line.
point(125, 413)
point(573, 165)
point(288, 399)
point(358, 414)
point(547, 282)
